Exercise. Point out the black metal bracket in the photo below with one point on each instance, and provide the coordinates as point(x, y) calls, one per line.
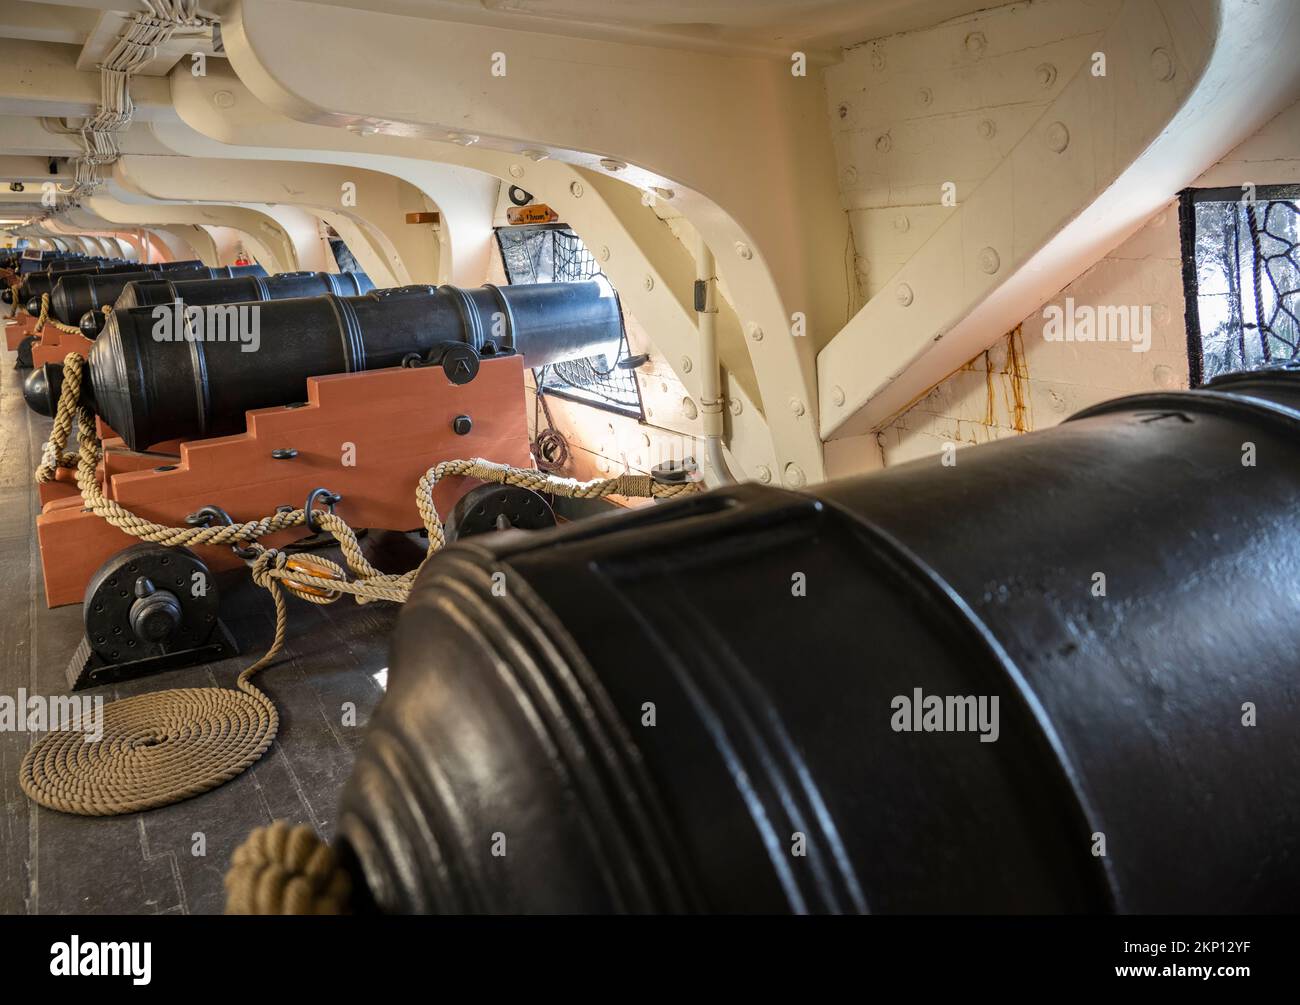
point(459, 360)
point(204, 518)
point(331, 499)
point(88, 669)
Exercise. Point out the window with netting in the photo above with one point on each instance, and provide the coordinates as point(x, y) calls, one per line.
point(1241, 275)
point(347, 262)
point(552, 253)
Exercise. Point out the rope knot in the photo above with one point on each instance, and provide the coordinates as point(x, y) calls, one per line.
point(284, 870)
point(267, 561)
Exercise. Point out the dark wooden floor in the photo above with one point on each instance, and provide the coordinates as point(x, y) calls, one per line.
point(53, 863)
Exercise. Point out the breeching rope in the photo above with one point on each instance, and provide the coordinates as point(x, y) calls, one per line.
point(44, 319)
point(165, 746)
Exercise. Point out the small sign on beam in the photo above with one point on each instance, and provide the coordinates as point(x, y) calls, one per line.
point(536, 213)
point(425, 217)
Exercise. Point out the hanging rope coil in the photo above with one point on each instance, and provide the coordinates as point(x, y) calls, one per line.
point(162, 747)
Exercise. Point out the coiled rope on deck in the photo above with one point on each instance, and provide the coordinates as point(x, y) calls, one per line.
point(156, 749)
point(165, 746)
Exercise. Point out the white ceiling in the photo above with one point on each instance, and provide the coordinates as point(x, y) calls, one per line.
point(766, 25)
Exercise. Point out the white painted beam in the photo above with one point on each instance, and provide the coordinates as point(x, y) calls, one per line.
point(741, 143)
point(43, 22)
point(630, 240)
point(42, 79)
point(377, 201)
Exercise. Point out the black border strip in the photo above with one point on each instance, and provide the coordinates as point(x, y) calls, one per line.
point(1187, 200)
point(1234, 193)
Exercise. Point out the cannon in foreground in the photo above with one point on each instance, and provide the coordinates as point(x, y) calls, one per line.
point(1057, 676)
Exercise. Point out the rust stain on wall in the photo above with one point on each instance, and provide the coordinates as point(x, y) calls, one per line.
point(1016, 381)
point(1012, 379)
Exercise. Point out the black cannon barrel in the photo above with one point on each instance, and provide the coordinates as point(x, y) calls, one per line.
point(41, 261)
point(74, 296)
point(201, 383)
point(60, 264)
point(774, 701)
point(84, 283)
point(239, 289)
point(64, 264)
point(36, 284)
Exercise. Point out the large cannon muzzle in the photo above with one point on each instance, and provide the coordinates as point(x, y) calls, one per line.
point(1057, 676)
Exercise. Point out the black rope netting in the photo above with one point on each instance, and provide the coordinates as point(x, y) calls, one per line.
point(1247, 283)
point(551, 254)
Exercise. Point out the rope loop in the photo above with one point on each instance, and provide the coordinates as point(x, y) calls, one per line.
point(44, 319)
point(267, 560)
point(162, 747)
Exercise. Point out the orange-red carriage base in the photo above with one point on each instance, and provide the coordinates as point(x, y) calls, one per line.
point(23, 325)
point(366, 436)
point(55, 345)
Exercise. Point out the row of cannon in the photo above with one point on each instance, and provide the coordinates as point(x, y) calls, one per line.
point(159, 371)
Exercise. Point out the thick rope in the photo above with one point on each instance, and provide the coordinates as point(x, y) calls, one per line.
point(54, 453)
point(279, 870)
point(44, 319)
point(156, 749)
point(162, 747)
